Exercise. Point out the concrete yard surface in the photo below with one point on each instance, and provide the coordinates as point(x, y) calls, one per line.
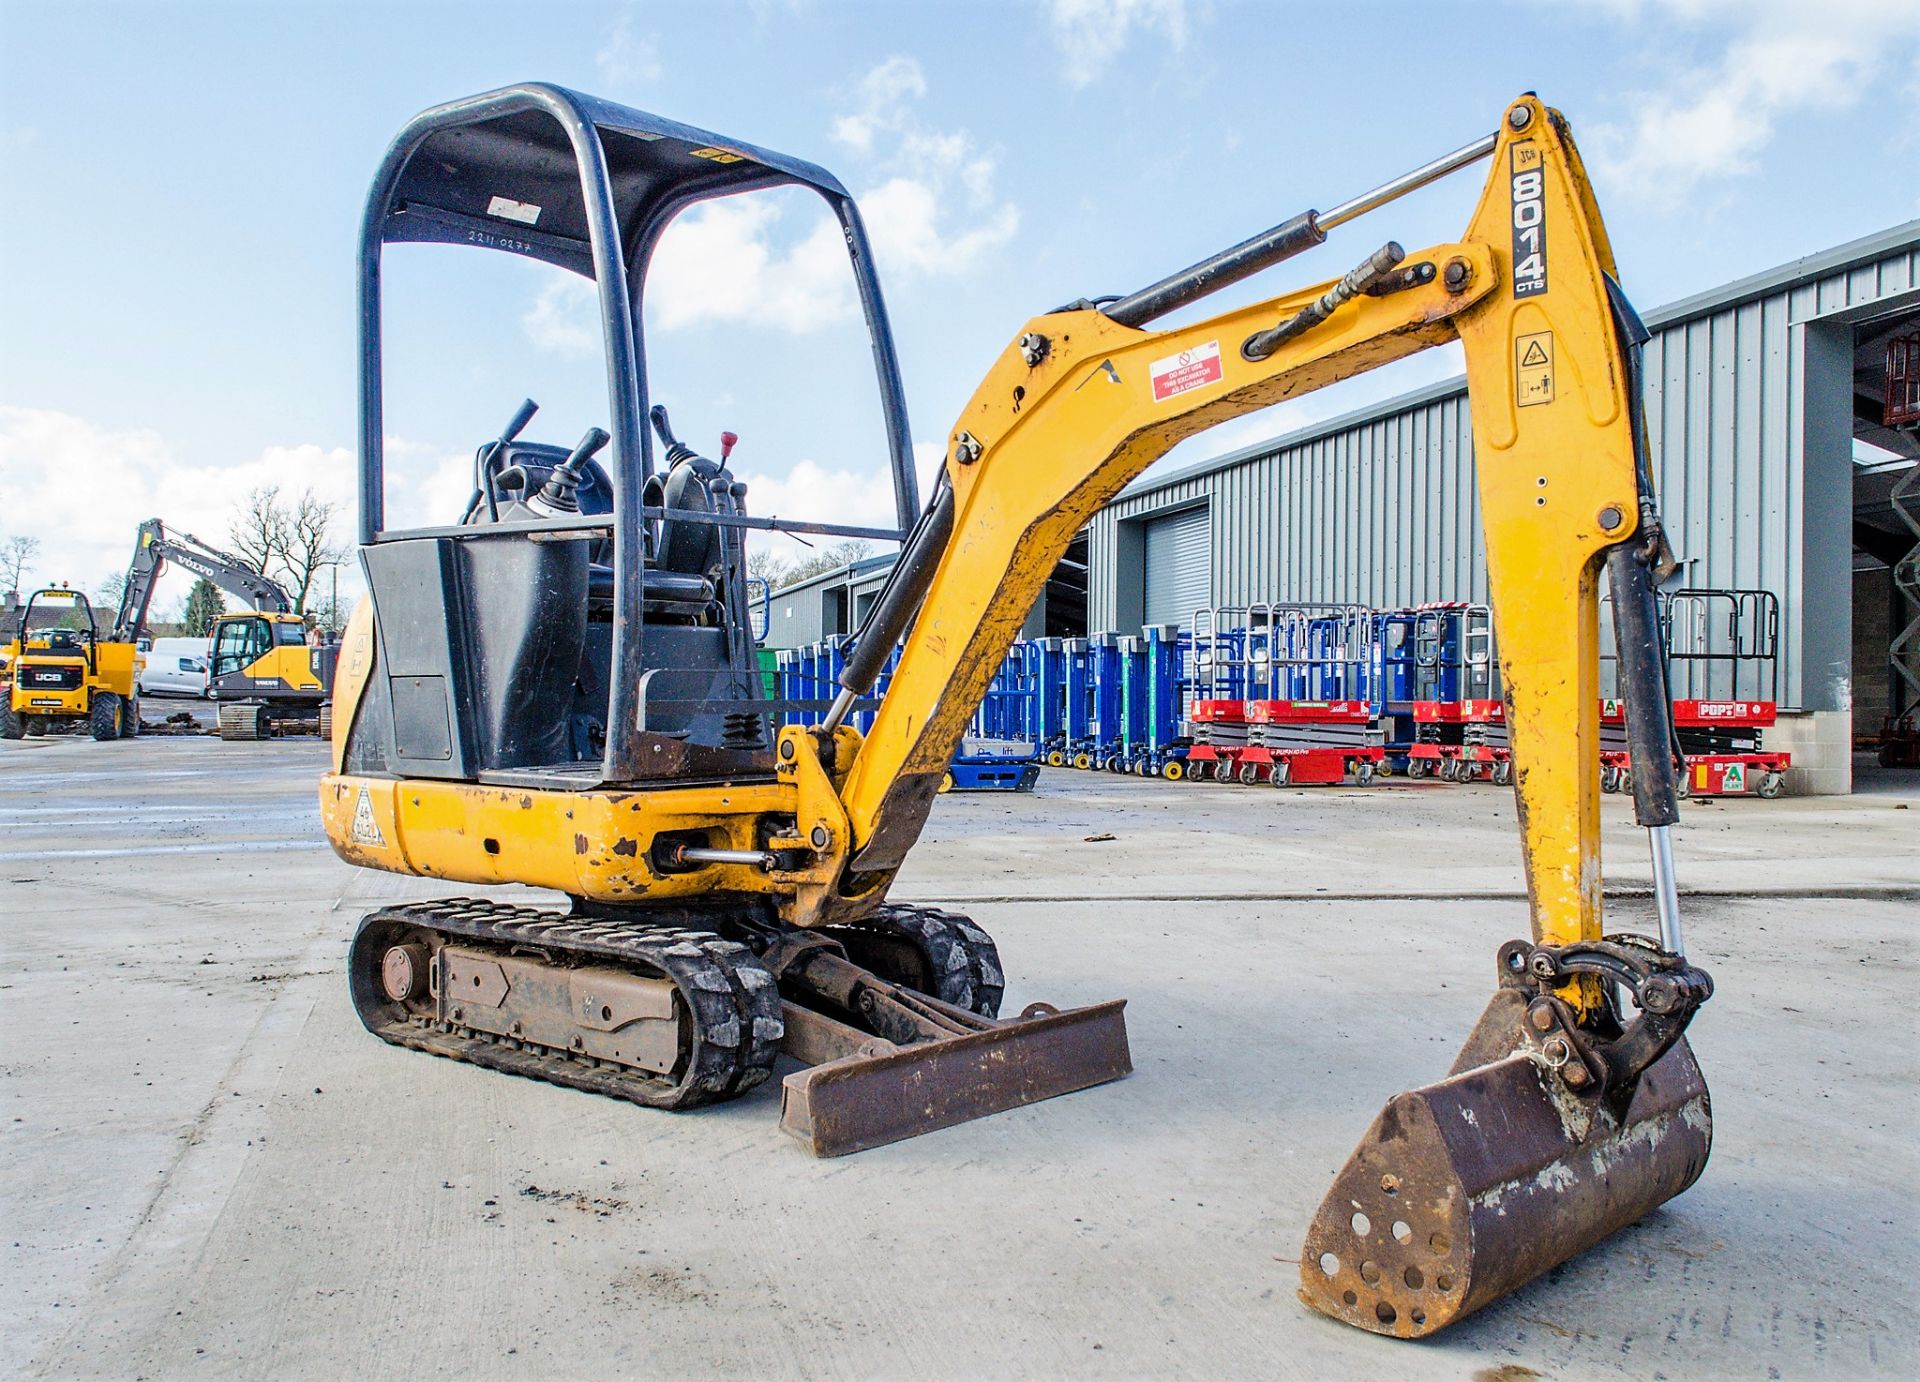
point(212, 1170)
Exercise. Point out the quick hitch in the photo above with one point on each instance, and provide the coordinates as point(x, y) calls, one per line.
point(1605, 1056)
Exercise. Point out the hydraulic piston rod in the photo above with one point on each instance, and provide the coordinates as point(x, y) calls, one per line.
point(1281, 243)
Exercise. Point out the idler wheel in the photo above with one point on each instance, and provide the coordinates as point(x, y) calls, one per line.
point(403, 972)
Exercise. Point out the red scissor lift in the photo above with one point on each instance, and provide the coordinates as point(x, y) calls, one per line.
point(1282, 694)
point(1723, 674)
point(1460, 720)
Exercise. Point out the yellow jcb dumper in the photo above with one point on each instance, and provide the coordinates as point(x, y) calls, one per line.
point(559, 689)
point(56, 677)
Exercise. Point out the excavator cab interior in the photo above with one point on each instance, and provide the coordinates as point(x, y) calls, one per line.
point(617, 645)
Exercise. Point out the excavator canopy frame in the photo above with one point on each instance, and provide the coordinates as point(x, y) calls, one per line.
point(589, 186)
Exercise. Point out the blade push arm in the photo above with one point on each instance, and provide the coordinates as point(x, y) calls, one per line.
point(1080, 405)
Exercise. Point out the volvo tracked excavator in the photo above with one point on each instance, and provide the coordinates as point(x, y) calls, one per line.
point(558, 689)
point(264, 677)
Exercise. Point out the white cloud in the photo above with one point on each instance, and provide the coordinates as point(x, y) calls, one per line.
point(931, 210)
point(83, 489)
point(1714, 119)
point(628, 58)
point(1090, 34)
point(862, 498)
point(884, 93)
point(722, 261)
point(562, 319)
point(934, 212)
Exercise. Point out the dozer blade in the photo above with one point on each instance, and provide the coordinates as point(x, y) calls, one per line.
point(1467, 1189)
point(880, 1093)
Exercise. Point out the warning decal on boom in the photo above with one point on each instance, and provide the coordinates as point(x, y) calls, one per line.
point(1533, 373)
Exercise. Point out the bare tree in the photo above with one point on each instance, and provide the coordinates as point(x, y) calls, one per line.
point(16, 554)
point(306, 545)
point(290, 539)
point(259, 531)
point(766, 566)
point(831, 558)
point(108, 594)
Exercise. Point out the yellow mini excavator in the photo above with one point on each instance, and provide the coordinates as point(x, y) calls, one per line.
point(559, 689)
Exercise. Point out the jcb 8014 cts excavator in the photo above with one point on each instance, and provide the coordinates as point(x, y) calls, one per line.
point(559, 690)
point(263, 675)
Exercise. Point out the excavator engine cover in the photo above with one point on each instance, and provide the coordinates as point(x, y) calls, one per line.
point(1468, 1188)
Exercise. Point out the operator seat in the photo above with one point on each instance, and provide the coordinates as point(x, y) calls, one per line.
point(692, 549)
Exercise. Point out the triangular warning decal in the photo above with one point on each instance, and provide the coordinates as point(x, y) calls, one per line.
point(366, 830)
point(1534, 355)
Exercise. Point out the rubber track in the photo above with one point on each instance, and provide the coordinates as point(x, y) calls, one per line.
point(733, 999)
point(243, 724)
point(964, 960)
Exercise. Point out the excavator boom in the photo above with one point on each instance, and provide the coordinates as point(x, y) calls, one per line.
point(1042, 446)
point(154, 547)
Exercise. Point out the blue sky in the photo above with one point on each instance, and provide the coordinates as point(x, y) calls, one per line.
point(184, 182)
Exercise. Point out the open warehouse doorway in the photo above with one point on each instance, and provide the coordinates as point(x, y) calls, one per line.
point(1886, 541)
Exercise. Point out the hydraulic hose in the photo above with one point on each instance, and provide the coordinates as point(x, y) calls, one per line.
point(906, 588)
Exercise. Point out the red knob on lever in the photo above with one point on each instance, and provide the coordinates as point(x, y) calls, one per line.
point(728, 440)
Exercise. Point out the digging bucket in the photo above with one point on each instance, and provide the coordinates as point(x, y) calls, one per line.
point(1469, 1188)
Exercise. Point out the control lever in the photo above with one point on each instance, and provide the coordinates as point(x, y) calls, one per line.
point(518, 423)
point(488, 454)
point(677, 450)
point(557, 495)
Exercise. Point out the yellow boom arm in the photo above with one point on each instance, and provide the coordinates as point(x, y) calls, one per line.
point(1041, 446)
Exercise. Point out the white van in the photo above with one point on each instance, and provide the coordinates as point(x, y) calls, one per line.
point(176, 667)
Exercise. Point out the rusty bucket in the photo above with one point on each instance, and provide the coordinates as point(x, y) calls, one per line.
point(1542, 1140)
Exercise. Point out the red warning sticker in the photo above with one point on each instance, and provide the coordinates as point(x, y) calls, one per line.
point(1190, 369)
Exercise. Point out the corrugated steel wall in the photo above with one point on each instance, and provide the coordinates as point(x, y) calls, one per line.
point(1384, 511)
point(795, 614)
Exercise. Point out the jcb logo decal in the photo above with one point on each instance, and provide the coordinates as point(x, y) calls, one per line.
point(1529, 222)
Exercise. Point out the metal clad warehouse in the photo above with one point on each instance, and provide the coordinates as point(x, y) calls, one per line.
point(1755, 398)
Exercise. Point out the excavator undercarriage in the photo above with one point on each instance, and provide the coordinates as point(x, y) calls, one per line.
point(667, 1013)
point(560, 690)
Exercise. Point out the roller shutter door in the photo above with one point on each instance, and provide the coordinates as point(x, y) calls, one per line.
point(1179, 550)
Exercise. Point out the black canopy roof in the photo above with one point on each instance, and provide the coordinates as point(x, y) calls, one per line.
point(500, 170)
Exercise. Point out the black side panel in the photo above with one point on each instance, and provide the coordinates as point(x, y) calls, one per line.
point(523, 646)
point(422, 718)
point(417, 612)
point(686, 666)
